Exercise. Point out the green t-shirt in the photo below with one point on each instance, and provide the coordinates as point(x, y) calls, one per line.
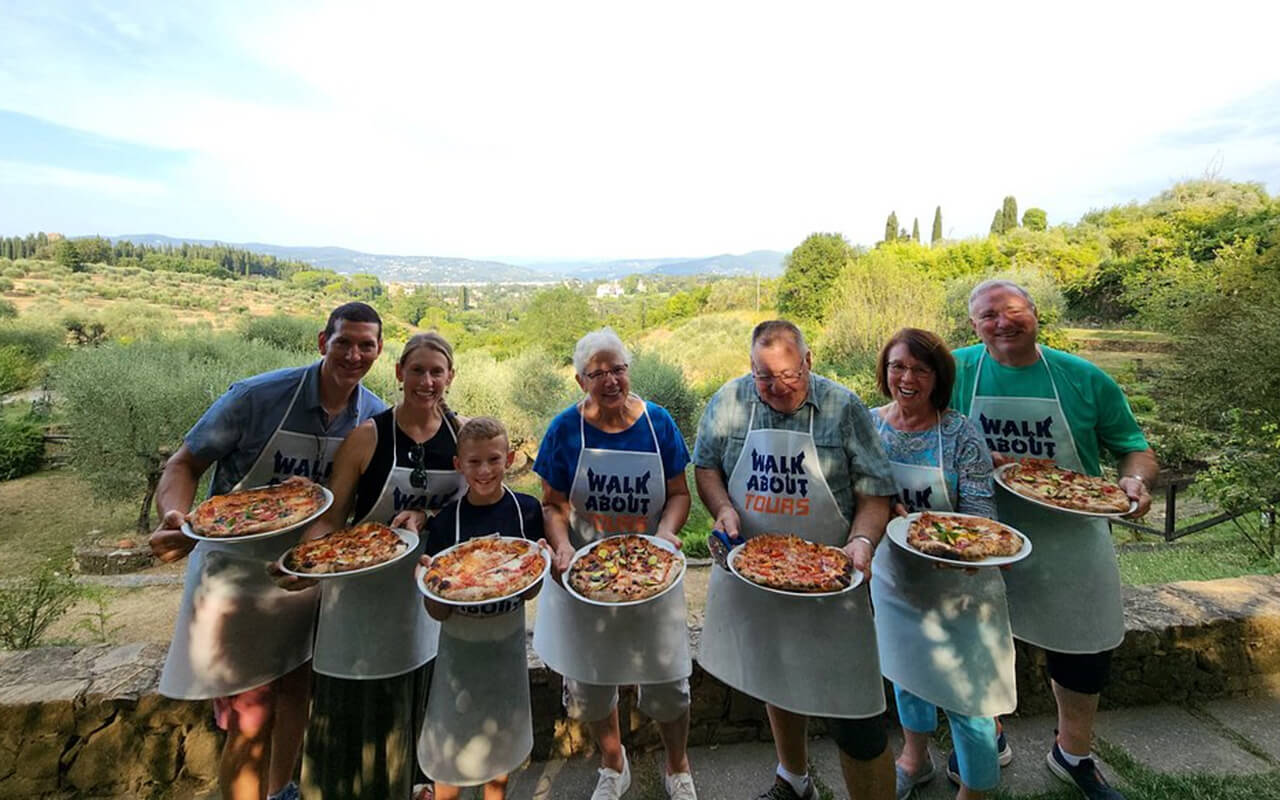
point(1094, 404)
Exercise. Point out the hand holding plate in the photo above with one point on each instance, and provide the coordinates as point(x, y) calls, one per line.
point(168, 543)
point(1136, 488)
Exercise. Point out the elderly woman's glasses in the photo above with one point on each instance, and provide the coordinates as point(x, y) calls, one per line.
point(617, 372)
point(919, 370)
point(417, 460)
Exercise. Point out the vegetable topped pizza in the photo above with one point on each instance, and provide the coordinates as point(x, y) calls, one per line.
point(962, 537)
point(487, 568)
point(365, 545)
point(624, 569)
point(1042, 480)
point(253, 511)
point(793, 564)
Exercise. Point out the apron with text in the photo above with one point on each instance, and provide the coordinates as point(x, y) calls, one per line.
point(614, 492)
point(236, 629)
point(478, 724)
point(375, 626)
point(943, 634)
point(814, 656)
point(1066, 596)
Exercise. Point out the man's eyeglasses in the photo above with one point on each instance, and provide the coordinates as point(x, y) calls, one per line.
point(417, 460)
point(617, 372)
point(788, 377)
point(920, 370)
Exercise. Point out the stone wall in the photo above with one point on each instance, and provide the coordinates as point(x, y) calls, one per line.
point(87, 722)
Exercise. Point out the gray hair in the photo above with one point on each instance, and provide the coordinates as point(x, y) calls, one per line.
point(594, 343)
point(769, 331)
point(998, 283)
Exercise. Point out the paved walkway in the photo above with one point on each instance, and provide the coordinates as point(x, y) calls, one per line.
point(1229, 737)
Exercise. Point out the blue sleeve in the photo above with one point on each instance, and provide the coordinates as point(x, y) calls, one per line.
point(217, 432)
point(674, 450)
point(557, 454)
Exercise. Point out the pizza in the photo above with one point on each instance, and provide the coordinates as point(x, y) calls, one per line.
point(365, 545)
point(256, 510)
point(962, 537)
point(485, 569)
point(793, 564)
point(1041, 479)
point(624, 569)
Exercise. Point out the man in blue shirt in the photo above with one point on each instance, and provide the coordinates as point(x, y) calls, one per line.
point(239, 639)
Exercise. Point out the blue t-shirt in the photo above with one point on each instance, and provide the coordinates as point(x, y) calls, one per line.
point(499, 517)
point(557, 460)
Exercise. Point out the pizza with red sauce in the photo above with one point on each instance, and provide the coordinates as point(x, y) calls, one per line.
point(793, 564)
point(252, 511)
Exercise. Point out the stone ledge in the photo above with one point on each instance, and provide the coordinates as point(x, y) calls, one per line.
point(88, 721)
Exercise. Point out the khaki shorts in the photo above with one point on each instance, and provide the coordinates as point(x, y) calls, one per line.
point(661, 702)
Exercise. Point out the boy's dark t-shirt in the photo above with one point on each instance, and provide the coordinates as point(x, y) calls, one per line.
point(500, 517)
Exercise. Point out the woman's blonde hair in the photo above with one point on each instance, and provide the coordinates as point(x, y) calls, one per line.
point(433, 341)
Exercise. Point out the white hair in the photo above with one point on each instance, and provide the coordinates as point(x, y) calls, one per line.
point(998, 283)
point(594, 343)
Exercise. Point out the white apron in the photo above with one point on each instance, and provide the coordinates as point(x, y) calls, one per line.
point(478, 724)
point(613, 492)
point(236, 629)
point(814, 656)
point(1066, 597)
point(375, 626)
point(943, 634)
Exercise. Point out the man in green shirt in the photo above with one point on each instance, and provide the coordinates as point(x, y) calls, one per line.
point(1030, 401)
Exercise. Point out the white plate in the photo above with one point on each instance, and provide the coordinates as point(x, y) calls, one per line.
point(420, 575)
point(660, 542)
point(732, 560)
point(999, 476)
point(897, 533)
point(408, 537)
point(253, 537)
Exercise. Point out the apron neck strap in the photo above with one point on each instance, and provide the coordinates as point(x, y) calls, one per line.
point(457, 517)
point(751, 420)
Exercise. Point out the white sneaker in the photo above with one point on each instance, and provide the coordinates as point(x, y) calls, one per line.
point(680, 787)
point(612, 785)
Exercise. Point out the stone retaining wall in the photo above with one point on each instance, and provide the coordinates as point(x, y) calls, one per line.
point(87, 722)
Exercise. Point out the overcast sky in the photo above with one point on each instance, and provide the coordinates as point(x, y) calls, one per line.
point(541, 130)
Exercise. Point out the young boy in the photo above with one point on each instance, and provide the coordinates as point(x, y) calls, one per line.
point(478, 727)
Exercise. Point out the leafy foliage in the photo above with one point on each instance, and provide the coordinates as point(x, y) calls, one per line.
point(555, 320)
point(936, 235)
point(810, 270)
point(21, 446)
point(295, 334)
point(1035, 219)
point(664, 383)
point(29, 605)
point(17, 369)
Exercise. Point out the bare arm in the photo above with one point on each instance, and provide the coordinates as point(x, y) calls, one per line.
point(174, 493)
point(349, 463)
point(871, 514)
point(1138, 470)
point(555, 523)
point(676, 512)
point(715, 496)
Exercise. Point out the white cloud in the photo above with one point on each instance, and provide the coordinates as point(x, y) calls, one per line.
point(24, 176)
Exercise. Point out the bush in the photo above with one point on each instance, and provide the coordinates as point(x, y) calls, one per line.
point(539, 390)
point(17, 369)
point(28, 606)
point(6, 285)
point(21, 447)
point(663, 383)
point(296, 334)
point(8, 310)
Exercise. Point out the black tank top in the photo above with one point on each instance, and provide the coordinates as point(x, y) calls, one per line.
point(439, 452)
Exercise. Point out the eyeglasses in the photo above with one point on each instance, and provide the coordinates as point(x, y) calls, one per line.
point(618, 373)
point(991, 314)
point(788, 377)
point(417, 459)
point(920, 370)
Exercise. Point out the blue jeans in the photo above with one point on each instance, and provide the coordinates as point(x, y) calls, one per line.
point(974, 738)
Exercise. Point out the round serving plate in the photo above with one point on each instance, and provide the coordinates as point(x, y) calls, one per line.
point(409, 538)
point(420, 575)
point(999, 474)
point(899, 526)
point(656, 540)
point(253, 537)
point(854, 583)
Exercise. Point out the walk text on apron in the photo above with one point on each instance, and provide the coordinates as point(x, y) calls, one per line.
point(943, 634)
point(814, 656)
point(1066, 597)
point(236, 629)
point(613, 492)
point(478, 724)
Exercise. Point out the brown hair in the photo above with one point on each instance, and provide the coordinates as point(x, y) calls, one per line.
point(928, 347)
point(433, 341)
point(352, 312)
point(482, 429)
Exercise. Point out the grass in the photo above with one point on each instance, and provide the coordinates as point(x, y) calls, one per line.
point(42, 516)
point(1218, 552)
point(1115, 335)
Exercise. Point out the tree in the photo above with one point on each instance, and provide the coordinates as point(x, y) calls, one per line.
point(556, 319)
point(1035, 219)
point(937, 226)
point(1009, 214)
point(997, 223)
point(811, 269)
point(68, 255)
point(891, 227)
point(915, 229)
point(664, 383)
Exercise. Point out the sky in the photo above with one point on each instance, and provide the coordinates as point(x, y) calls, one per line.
point(591, 130)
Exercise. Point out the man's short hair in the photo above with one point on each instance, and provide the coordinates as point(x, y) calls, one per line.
point(998, 283)
point(769, 331)
point(482, 429)
point(352, 312)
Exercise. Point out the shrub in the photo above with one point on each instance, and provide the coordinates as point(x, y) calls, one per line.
point(21, 447)
point(6, 285)
point(8, 310)
point(17, 369)
point(663, 383)
point(28, 606)
point(482, 388)
point(539, 390)
point(296, 334)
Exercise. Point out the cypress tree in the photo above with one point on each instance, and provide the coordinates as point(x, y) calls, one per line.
point(915, 230)
point(997, 223)
point(937, 226)
point(891, 227)
point(1010, 214)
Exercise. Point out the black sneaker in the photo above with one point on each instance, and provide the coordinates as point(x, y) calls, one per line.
point(1084, 776)
point(781, 790)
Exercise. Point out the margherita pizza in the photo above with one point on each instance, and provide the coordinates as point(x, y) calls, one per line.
point(623, 569)
point(256, 510)
point(793, 564)
point(961, 537)
point(485, 569)
point(367, 544)
point(1042, 480)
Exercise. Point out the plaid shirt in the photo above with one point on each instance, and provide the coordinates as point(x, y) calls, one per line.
point(849, 449)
